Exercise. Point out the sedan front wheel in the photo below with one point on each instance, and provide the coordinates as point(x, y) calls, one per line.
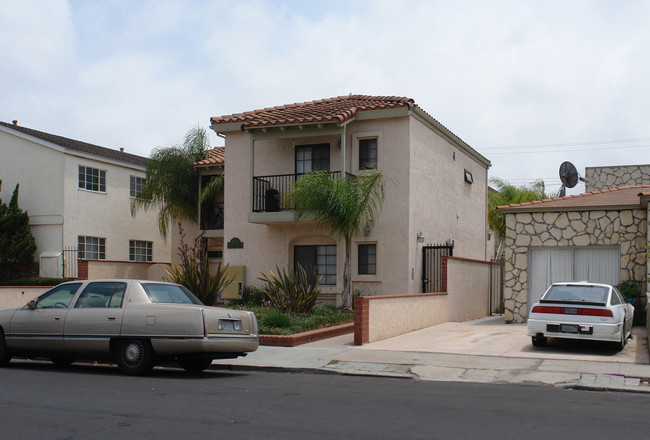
point(5, 356)
point(134, 356)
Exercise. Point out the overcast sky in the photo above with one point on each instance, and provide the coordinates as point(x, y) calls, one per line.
point(559, 80)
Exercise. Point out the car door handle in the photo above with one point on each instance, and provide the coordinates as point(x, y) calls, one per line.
point(57, 318)
point(111, 318)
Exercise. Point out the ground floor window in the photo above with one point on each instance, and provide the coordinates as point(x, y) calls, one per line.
point(140, 250)
point(367, 261)
point(323, 257)
point(91, 248)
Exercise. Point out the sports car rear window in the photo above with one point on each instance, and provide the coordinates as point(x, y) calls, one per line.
point(576, 293)
point(170, 294)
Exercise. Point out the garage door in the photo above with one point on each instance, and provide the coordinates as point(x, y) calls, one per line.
point(598, 264)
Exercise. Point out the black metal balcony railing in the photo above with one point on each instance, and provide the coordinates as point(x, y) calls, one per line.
point(269, 191)
point(212, 216)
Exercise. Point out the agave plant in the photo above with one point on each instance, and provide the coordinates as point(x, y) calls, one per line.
point(194, 272)
point(292, 289)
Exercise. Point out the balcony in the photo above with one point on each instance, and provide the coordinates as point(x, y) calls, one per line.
point(212, 216)
point(269, 192)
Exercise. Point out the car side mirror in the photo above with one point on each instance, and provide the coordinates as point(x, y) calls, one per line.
point(32, 304)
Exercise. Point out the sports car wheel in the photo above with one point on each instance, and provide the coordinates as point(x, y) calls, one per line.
point(620, 346)
point(194, 364)
point(134, 356)
point(539, 340)
point(5, 356)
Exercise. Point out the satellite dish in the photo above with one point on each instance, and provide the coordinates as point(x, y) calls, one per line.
point(569, 177)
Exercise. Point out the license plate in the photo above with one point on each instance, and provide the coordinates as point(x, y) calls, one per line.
point(564, 328)
point(229, 324)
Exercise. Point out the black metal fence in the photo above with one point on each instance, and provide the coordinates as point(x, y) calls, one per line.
point(432, 271)
point(70, 269)
point(212, 215)
point(269, 192)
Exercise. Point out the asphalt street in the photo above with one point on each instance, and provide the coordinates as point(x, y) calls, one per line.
point(39, 401)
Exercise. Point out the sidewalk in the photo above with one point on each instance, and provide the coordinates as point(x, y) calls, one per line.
point(485, 351)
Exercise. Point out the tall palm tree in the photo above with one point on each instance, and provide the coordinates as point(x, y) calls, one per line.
point(507, 194)
point(343, 205)
point(172, 182)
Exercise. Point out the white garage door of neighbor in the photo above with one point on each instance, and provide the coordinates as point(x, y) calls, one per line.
point(597, 264)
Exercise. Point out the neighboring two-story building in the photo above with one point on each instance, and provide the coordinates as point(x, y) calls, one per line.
point(436, 191)
point(78, 197)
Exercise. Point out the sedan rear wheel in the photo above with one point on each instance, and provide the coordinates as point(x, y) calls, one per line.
point(620, 346)
point(539, 340)
point(194, 364)
point(134, 356)
point(5, 356)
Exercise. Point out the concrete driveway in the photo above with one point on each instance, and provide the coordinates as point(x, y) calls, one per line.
point(492, 337)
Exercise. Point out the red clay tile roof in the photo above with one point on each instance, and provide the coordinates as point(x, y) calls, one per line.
point(95, 150)
point(627, 196)
point(216, 156)
point(338, 109)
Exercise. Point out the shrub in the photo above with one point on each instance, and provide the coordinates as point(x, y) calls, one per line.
point(276, 319)
point(35, 282)
point(194, 271)
point(292, 289)
point(250, 294)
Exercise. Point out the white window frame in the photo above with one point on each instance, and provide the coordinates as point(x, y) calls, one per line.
point(139, 249)
point(83, 244)
point(356, 137)
point(136, 183)
point(89, 186)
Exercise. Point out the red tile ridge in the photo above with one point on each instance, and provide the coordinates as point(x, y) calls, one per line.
point(575, 196)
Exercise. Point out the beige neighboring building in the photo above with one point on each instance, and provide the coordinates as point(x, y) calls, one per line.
point(78, 196)
point(437, 190)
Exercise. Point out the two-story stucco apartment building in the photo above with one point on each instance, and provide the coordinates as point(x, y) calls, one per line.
point(78, 196)
point(436, 191)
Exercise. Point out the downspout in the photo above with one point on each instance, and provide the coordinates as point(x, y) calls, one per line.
point(343, 137)
point(252, 174)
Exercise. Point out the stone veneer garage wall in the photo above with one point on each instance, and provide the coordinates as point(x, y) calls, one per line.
point(599, 178)
point(625, 228)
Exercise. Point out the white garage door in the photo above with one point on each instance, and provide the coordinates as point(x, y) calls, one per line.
point(598, 264)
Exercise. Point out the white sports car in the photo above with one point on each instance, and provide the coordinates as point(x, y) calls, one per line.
point(581, 310)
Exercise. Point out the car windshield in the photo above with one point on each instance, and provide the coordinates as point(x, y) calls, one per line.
point(577, 293)
point(170, 293)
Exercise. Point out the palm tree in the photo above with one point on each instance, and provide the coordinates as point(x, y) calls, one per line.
point(507, 194)
point(342, 205)
point(172, 182)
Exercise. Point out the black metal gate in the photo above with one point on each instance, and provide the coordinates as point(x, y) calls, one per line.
point(432, 265)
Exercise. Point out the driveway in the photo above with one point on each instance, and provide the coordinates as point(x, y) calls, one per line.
point(492, 337)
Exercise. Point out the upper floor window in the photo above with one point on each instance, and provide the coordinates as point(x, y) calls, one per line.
point(140, 250)
point(91, 248)
point(92, 179)
point(367, 153)
point(312, 158)
point(136, 185)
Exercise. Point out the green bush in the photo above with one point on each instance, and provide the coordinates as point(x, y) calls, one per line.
point(45, 282)
point(250, 294)
point(276, 319)
point(194, 271)
point(292, 289)
point(630, 288)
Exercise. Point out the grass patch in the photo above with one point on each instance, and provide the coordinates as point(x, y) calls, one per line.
point(273, 322)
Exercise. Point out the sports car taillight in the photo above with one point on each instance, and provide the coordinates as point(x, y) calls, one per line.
point(572, 311)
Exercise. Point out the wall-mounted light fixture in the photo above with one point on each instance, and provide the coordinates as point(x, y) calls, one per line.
point(367, 229)
point(420, 237)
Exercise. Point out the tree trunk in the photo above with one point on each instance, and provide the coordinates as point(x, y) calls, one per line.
point(347, 278)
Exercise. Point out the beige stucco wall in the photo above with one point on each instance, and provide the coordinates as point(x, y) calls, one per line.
point(468, 289)
point(442, 205)
point(626, 229)
point(121, 269)
point(19, 296)
point(599, 178)
point(420, 196)
point(59, 211)
point(392, 316)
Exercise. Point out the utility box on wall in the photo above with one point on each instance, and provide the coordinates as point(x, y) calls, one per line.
point(239, 274)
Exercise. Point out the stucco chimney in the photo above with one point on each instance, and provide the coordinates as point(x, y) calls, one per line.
point(122, 149)
point(15, 121)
